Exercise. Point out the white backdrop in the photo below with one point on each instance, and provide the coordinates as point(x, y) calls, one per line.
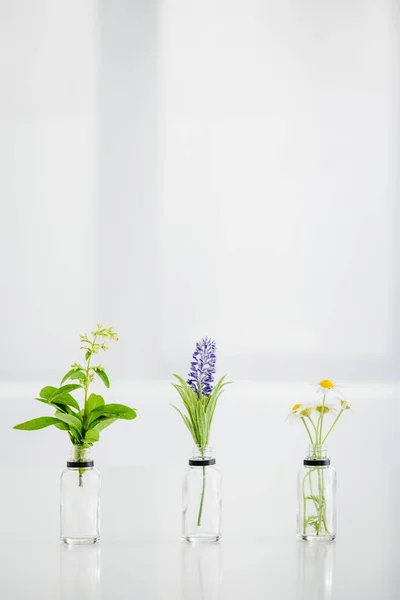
point(179, 168)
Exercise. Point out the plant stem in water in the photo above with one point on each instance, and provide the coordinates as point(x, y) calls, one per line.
point(202, 498)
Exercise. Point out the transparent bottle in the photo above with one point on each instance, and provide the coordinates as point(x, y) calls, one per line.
point(80, 499)
point(316, 492)
point(201, 513)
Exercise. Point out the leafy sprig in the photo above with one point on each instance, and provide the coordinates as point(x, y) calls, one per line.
point(82, 424)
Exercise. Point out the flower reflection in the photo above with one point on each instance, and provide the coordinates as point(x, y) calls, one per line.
point(316, 570)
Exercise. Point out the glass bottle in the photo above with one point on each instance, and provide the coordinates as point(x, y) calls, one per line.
point(201, 513)
point(80, 499)
point(316, 492)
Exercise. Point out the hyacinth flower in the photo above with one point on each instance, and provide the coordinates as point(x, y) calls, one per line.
point(200, 396)
point(315, 418)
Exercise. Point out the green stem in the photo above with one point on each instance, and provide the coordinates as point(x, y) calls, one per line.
point(320, 422)
point(308, 431)
point(202, 498)
point(320, 494)
point(333, 425)
point(87, 382)
point(304, 507)
point(313, 424)
point(324, 505)
point(305, 498)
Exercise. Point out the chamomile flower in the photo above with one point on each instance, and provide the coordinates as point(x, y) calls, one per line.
point(326, 409)
point(298, 412)
point(326, 386)
point(344, 405)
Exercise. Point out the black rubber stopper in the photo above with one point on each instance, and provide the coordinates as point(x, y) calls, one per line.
point(201, 463)
point(80, 465)
point(324, 462)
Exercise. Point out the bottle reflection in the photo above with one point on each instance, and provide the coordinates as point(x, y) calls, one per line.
point(201, 571)
point(316, 570)
point(79, 572)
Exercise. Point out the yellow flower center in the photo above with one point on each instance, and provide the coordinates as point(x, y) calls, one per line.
point(322, 409)
point(295, 407)
point(306, 411)
point(327, 384)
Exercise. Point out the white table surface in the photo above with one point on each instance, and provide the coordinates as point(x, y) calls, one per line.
point(141, 555)
point(276, 568)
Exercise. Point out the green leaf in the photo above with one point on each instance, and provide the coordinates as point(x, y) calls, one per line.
point(73, 422)
point(41, 423)
point(62, 426)
point(48, 392)
point(70, 387)
point(51, 394)
point(103, 376)
point(75, 373)
point(78, 375)
point(185, 420)
point(94, 401)
point(103, 424)
point(66, 399)
point(111, 411)
point(59, 405)
point(200, 410)
point(92, 436)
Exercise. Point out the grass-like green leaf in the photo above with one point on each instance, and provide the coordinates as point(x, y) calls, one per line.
point(103, 375)
point(185, 420)
point(94, 401)
point(200, 410)
point(41, 423)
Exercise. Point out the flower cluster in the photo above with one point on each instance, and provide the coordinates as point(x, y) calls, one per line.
point(303, 413)
point(202, 367)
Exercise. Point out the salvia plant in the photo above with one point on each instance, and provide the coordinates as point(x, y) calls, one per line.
point(315, 418)
point(83, 424)
point(200, 396)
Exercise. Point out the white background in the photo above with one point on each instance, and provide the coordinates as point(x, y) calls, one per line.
point(181, 168)
point(178, 168)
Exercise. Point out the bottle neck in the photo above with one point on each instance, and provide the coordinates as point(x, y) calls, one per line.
point(80, 457)
point(202, 456)
point(316, 456)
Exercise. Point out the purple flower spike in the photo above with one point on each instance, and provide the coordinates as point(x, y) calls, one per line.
point(202, 367)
